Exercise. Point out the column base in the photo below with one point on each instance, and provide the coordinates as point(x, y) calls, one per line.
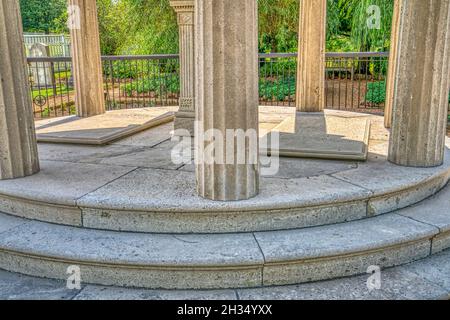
point(184, 123)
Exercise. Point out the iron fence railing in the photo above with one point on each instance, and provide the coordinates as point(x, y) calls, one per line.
point(354, 81)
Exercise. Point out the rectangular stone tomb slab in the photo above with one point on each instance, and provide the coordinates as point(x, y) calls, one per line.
point(322, 136)
point(102, 129)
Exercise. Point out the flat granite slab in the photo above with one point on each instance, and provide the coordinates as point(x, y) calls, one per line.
point(102, 129)
point(324, 136)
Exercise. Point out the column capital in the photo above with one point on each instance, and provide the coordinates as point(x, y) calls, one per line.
point(185, 11)
point(183, 5)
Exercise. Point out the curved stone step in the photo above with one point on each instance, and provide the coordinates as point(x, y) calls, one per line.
point(164, 201)
point(427, 279)
point(206, 261)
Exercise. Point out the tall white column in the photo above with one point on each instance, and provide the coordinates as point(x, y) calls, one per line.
point(227, 99)
point(18, 149)
point(86, 58)
point(185, 117)
point(393, 52)
point(311, 56)
point(421, 84)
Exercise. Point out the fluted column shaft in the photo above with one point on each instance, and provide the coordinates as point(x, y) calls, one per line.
point(421, 84)
point(392, 65)
point(227, 99)
point(185, 117)
point(18, 149)
point(86, 58)
point(311, 56)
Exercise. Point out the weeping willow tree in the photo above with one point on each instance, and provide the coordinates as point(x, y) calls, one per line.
point(278, 25)
point(279, 22)
point(371, 23)
point(150, 27)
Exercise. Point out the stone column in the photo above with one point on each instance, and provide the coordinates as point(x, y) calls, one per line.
point(86, 59)
point(18, 149)
point(226, 99)
point(421, 84)
point(185, 117)
point(311, 56)
point(392, 63)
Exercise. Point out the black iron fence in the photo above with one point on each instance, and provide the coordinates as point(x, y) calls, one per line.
point(354, 81)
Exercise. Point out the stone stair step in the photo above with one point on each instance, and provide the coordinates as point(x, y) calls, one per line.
point(234, 260)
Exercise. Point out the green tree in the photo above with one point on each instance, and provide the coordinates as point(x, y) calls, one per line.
point(364, 37)
point(43, 15)
point(278, 25)
point(112, 25)
point(151, 27)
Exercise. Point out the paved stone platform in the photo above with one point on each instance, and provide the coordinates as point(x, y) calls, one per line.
point(427, 279)
point(134, 185)
point(102, 129)
point(128, 215)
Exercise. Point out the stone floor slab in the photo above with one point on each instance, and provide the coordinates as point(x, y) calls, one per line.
point(102, 129)
point(19, 287)
point(435, 269)
point(92, 292)
point(62, 182)
point(396, 284)
point(290, 168)
point(82, 153)
point(157, 158)
point(148, 138)
point(323, 136)
point(175, 191)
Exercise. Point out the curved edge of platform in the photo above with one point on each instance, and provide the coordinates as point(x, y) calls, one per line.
point(237, 260)
point(342, 202)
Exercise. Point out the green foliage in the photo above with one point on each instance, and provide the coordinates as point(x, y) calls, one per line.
point(277, 68)
point(122, 70)
point(112, 25)
point(149, 26)
point(278, 25)
point(278, 89)
point(43, 15)
point(364, 37)
point(376, 92)
point(340, 43)
point(162, 85)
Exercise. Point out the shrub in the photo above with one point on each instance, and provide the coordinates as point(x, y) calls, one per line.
point(278, 89)
point(376, 92)
point(164, 84)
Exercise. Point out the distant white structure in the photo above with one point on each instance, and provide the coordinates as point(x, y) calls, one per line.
point(59, 44)
point(42, 72)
